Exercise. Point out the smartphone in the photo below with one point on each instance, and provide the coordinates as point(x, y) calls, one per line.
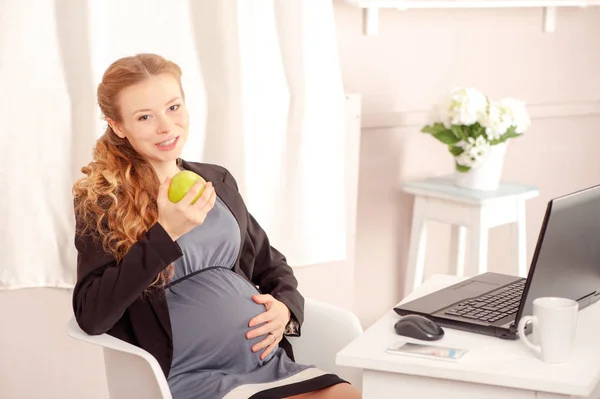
point(426, 351)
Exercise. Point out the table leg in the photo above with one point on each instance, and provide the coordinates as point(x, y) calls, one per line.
point(478, 242)
point(458, 240)
point(519, 237)
point(416, 252)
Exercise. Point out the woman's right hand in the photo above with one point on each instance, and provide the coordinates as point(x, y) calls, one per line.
point(181, 217)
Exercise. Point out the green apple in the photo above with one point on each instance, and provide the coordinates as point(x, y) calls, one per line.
point(181, 184)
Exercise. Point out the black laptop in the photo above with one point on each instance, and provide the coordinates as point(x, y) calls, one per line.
point(566, 263)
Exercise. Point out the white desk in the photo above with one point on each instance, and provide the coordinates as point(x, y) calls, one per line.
point(493, 369)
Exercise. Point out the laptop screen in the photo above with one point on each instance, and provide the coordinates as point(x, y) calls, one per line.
point(566, 262)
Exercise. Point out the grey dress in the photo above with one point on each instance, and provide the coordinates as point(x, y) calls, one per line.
point(210, 307)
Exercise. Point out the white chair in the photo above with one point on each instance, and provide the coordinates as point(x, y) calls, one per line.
point(132, 372)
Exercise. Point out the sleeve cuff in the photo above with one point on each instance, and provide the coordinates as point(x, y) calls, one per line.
point(292, 329)
point(168, 250)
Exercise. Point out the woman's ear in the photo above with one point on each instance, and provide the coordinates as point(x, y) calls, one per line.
point(116, 128)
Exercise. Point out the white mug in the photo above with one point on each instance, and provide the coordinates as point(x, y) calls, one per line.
point(554, 322)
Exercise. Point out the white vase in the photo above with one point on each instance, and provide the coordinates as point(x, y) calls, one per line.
point(486, 175)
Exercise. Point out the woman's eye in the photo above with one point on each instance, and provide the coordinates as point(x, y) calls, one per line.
point(143, 117)
point(174, 107)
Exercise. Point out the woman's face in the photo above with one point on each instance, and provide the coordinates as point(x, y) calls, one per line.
point(155, 120)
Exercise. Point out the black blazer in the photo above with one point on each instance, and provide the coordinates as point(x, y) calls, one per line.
point(108, 296)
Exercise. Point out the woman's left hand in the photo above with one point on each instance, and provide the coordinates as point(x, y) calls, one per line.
point(275, 318)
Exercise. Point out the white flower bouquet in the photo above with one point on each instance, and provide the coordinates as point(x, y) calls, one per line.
point(470, 124)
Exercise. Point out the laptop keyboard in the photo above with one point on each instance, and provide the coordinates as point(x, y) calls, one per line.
point(491, 307)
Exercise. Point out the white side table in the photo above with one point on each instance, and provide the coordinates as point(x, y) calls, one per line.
point(438, 199)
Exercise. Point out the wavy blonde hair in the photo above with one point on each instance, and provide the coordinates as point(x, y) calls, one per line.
point(116, 200)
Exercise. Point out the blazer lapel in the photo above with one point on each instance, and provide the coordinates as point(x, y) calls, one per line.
point(158, 300)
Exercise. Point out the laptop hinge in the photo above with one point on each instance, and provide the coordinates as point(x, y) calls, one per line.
point(588, 299)
point(594, 297)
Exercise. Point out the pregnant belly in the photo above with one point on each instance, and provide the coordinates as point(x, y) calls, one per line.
point(209, 314)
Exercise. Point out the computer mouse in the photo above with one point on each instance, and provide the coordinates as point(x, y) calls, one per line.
point(419, 327)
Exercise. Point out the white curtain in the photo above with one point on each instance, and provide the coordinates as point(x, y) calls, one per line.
point(264, 90)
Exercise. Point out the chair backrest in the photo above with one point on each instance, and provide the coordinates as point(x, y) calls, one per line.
point(326, 330)
point(131, 372)
point(131, 376)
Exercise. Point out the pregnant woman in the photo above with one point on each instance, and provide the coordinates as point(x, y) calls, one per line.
point(195, 283)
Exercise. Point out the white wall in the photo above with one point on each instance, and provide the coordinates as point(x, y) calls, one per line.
point(37, 358)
